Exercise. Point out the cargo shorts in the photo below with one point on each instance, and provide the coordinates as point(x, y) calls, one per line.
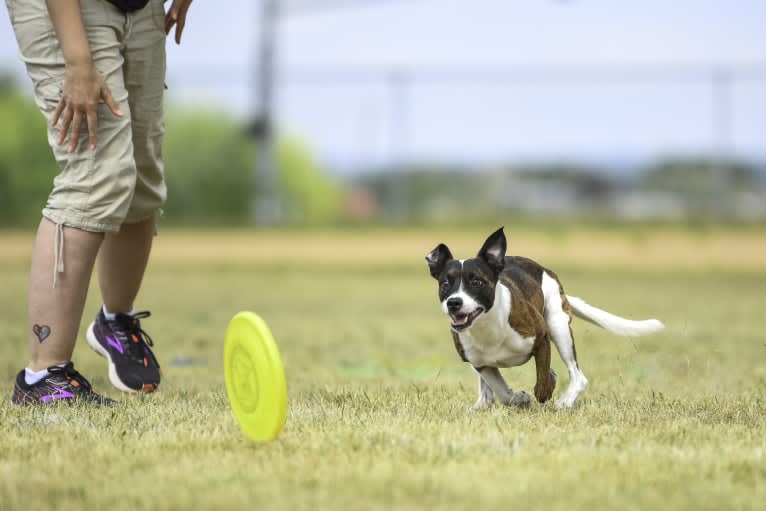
point(122, 180)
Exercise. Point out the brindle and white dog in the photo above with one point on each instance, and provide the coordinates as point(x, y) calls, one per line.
point(506, 310)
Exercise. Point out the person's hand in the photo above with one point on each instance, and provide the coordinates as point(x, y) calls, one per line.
point(176, 15)
point(83, 88)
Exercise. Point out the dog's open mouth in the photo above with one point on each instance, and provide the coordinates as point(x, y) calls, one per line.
point(461, 321)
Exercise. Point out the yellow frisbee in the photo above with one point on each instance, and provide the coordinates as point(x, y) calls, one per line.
point(255, 377)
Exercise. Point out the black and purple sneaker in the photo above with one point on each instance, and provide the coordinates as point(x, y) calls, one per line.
point(122, 341)
point(63, 384)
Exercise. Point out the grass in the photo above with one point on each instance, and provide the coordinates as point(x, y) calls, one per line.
point(378, 397)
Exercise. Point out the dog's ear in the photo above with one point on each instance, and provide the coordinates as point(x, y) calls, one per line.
point(437, 258)
point(493, 250)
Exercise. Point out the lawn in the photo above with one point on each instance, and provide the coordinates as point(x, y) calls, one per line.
point(378, 397)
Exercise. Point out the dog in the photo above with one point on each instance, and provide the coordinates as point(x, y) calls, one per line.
point(505, 310)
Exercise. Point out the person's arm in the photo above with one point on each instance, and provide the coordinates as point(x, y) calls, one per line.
point(176, 15)
point(83, 85)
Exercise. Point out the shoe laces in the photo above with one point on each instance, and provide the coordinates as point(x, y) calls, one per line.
point(72, 376)
point(128, 328)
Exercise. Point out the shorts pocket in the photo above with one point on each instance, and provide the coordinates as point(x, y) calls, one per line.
point(72, 185)
point(48, 93)
point(158, 14)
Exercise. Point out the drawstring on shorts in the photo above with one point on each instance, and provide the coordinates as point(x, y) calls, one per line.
point(58, 253)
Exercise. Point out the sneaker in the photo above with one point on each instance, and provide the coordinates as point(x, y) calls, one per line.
point(61, 384)
point(132, 365)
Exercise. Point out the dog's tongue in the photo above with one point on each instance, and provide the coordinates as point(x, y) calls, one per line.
point(459, 319)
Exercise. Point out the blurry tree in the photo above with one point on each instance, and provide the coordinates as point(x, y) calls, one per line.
point(710, 188)
point(424, 193)
point(209, 161)
point(310, 196)
point(586, 182)
point(27, 167)
point(700, 176)
point(207, 167)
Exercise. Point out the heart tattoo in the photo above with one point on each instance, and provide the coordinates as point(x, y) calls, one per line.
point(41, 332)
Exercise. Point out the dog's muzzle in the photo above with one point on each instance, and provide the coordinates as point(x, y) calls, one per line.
point(462, 320)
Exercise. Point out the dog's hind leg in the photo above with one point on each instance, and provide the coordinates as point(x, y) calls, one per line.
point(562, 337)
point(500, 389)
point(546, 377)
point(558, 317)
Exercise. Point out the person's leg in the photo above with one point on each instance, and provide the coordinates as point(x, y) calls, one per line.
point(92, 192)
point(125, 254)
point(122, 262)
point(91, 195)
point(117, 333)
point(55, 312)
point(56, 299)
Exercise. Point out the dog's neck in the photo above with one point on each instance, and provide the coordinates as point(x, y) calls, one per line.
point(496, 318)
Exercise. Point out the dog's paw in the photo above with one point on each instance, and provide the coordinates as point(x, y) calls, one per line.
point(520, 399)
point(565, 402)
point(480, 406)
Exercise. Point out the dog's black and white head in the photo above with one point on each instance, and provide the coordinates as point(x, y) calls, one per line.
point(467, 287)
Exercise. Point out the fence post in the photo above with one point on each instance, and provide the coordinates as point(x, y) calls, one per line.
point(267, 206)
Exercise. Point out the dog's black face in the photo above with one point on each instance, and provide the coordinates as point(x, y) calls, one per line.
point(467, 287)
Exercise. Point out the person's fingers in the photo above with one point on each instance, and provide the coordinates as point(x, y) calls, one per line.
point(170, 18)
point(182, 20)
point(66, 120)
point(110, 102)
point(180, 28)
point(92, 127)
point(177, 16)
point(57, 112)
point(169, 22)
point(76, 126)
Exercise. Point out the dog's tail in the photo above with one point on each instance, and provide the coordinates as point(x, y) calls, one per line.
point(615, 324)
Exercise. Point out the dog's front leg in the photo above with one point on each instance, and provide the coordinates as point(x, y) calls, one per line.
point(501, 391)
point(486, 396)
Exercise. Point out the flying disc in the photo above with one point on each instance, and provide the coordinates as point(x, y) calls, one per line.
point(255, 377)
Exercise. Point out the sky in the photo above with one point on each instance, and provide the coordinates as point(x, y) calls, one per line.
point(377, 82)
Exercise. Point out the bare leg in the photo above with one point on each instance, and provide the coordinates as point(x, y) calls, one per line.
point(501, 391)
point(54, 313)
point(122, 262)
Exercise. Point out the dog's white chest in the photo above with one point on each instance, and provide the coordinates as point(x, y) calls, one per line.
point(491, 341)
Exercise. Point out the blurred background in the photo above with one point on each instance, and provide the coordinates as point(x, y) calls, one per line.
point(316, 150)
point(348, 112)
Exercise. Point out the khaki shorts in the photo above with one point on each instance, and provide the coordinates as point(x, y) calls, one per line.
point(122, 181)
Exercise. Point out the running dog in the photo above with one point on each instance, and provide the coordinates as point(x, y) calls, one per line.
point(505, 310)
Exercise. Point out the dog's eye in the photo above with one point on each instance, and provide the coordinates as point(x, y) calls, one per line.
point(477, 282)
point(444, 284)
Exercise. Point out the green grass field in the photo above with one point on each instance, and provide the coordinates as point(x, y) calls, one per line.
point(378, 398)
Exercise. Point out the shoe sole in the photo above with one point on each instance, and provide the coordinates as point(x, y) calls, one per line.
point(113, 377)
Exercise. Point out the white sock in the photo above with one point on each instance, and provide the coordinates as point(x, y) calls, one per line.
point(111, 316)
point(32, 377)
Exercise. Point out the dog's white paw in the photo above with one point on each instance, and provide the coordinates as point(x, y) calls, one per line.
point(481, 405)
point(565, 402)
